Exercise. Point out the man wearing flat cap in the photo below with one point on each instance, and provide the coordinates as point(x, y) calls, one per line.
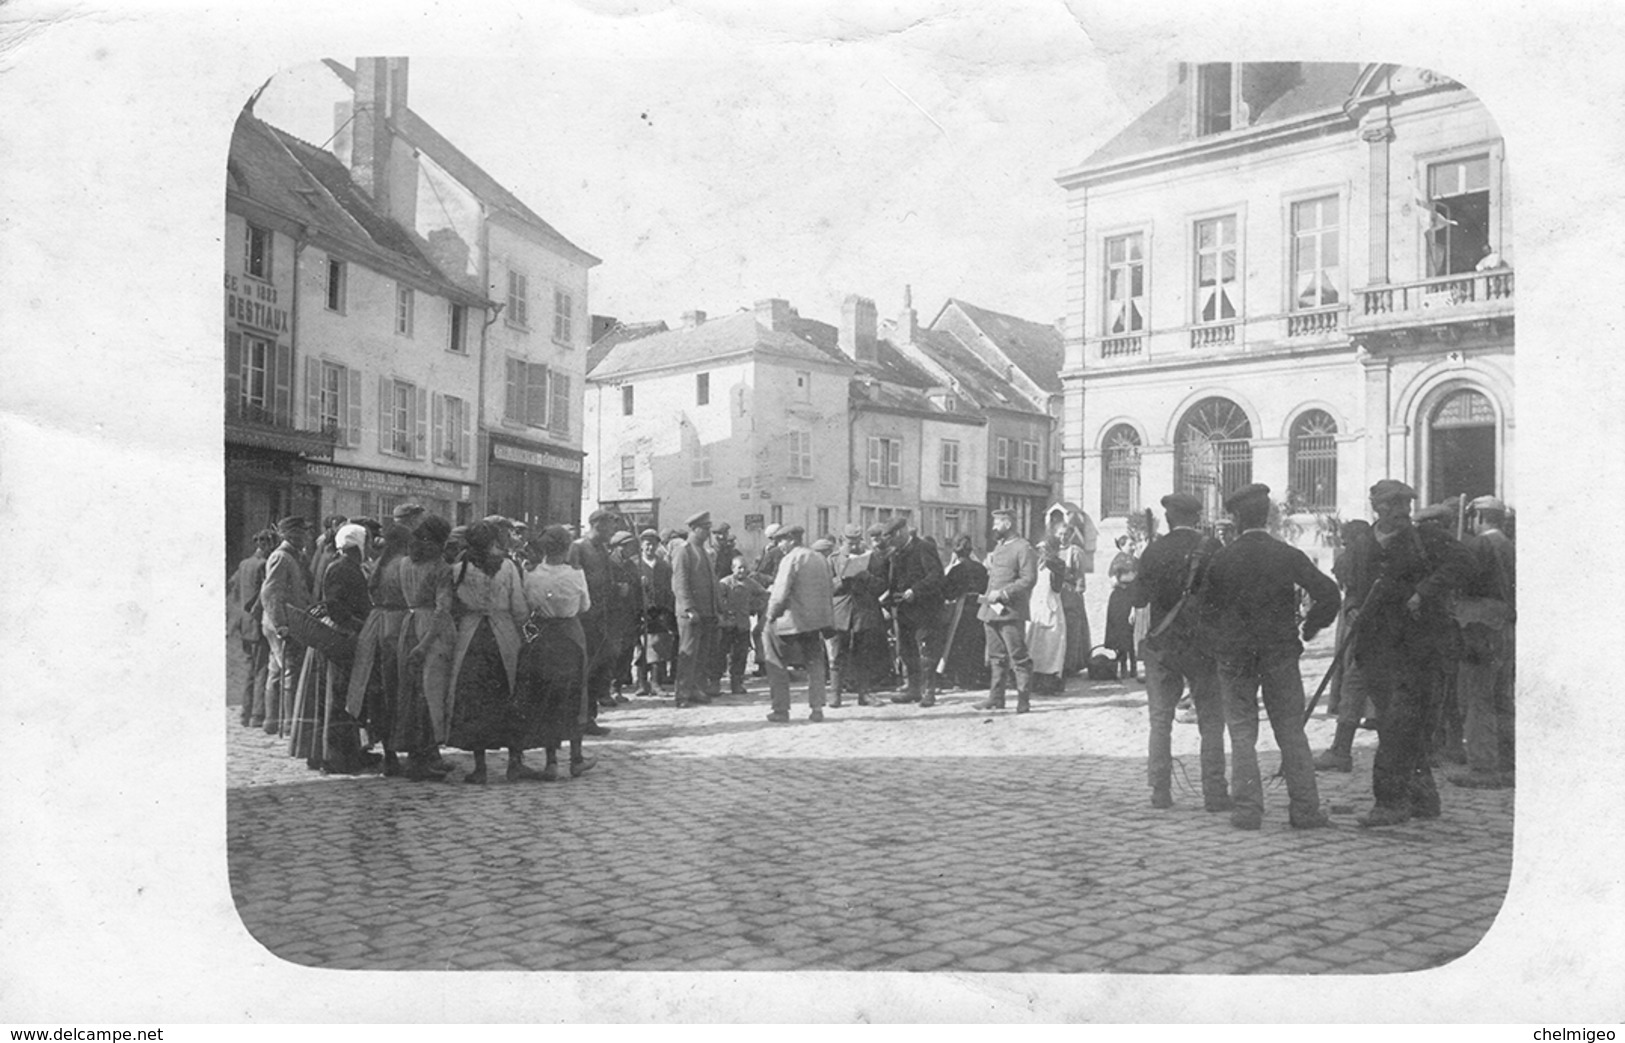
point(1178, 650)
point(800, 611)
point(694, 587)
point(244, 592)
point(1402, 638)
point(1487, 609)
point(1012, 571)
point(914, 594)
point(284, 592)
point(659, 644)
point(590, 554)
point(408, 514)
point(625, 617)
point(723, 548)
point(1252, 587)
point(858, 646)
point(766, 571)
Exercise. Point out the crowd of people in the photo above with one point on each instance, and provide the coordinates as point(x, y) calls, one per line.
point(488, 637)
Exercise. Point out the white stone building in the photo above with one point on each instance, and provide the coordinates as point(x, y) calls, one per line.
point(1293, 273)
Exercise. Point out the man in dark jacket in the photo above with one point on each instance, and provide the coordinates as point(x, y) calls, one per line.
point(694, 587)
point(858, 647)
point(914, 592)
point(1487, 611)
point(284, 591)
point(1012, 571)
point(625, 616)
point(1177, 650)
point(590, 554)
point(1403, 639)
point(1253, 589)
point(659, 644)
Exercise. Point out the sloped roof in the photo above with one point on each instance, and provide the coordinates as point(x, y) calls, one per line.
point(729, 335)
point(420, 133)
point(980, 383)
point(619, 334)
point(309, 185)
point(1034, 347)
point(1315, 87)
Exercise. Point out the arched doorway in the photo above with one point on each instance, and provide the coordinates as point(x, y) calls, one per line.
point(1461, 446)
point(1213, 453)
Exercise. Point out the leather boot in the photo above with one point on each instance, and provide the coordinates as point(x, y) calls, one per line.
point(1340, 756)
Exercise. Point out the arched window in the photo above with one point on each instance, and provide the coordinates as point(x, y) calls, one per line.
point(1120, 472)
point(1213, 453)
point(1313, 463)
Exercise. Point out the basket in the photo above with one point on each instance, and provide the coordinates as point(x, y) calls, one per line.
point(1102, 664)
point(315, 631)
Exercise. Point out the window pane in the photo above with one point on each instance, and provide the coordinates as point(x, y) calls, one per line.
point(1135, 247)
point(1114, 250)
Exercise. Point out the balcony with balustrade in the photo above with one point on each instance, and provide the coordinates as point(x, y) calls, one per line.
point(254, 424)
point(1446, 305)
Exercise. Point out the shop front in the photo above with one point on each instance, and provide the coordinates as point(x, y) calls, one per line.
point(639, 514)
point(265, 481)
point(535, 483)
point(357, 492)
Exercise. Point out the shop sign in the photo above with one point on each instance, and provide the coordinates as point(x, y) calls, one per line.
point(753, 522)
point(389, 484)
point(254, 305)
point(533, 458)
point(635, 506)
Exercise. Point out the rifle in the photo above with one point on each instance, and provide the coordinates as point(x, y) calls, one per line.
point(953, 628)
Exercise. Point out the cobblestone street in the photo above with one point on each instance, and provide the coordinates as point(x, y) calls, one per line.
point(885, 838)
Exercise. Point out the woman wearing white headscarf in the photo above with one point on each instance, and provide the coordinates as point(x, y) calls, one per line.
point(1046, 627)
point(348, 603)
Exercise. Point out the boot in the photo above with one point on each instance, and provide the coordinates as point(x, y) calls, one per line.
point(1340, 756)
point(1022, 706)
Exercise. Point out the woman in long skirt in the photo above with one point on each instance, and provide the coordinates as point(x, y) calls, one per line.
point(1120, 608)
point(488, 604)
point(374, 691)
point(344, 590)
point(423, 650)
point(553, 665)
point(1046, 627)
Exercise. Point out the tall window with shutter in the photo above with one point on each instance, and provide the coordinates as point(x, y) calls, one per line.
point(563, 319)
point(558, 418)
point(259, 380)
point(452, 436)
point(518, 311)
point(333, 400)
point(403, 419)
point(525, 401)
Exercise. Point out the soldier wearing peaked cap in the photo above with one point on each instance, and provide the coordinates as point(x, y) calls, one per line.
point(1252, 587)
point(1487, 609)
point(1178, 650)
point(1402, 637)
point(723, 549)
point(694, 585)
point(284, 591)
point(1012, 570)
point(605, 617)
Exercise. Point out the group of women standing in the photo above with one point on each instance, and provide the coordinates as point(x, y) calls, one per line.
point(458, 647)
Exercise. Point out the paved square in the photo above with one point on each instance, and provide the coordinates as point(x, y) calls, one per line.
point(886, 838)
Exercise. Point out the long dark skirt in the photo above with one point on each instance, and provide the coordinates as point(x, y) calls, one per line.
point(965, 664)
point(379, 712)
point(411, 727)
point(1077, 632)
point(551, 683)
point(322, 712)
point(484, 714)
point(1120, 622)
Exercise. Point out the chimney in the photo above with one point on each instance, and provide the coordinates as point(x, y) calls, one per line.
point(773, 312)
point(692, 319)
point(449, 252)
point(381, 164)
point(858, 322)
point(908, 323)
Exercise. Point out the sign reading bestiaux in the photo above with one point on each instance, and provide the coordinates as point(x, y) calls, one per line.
point(254, 304)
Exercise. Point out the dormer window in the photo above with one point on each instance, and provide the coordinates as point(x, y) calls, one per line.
point(1214, 94)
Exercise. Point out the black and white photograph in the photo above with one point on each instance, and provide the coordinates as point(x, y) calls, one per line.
point(917, 512)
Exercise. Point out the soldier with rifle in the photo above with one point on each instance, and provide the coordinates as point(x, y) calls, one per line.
point(1177, 650)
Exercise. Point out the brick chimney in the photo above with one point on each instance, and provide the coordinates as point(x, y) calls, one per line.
point(381, 163)
point(693, 318)
point(773, 312)
point(858, 323)
point(908, 323)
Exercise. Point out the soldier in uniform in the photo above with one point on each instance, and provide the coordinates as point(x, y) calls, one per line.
point(1012, 571)
point(914, 591)
point(1178, 651)
point(1252, 589)
point(1402, 640)
point(1487, 611)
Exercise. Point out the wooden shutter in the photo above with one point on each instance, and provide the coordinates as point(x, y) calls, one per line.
point(313, 394)
point(465, 449)
point(386, 415)
point(535, 395)
point(352, 408)
point(234, 372)
point(512, 403)
point(283, 408)
point(439, 426)
point(874, 461)
point(420, 417)
point(559, 414)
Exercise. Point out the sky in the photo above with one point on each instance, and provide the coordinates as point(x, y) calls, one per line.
point(710, 162)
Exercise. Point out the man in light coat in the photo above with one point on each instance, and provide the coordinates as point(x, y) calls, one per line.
point(245, 595)
point(800, 611)
point(284, 593)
